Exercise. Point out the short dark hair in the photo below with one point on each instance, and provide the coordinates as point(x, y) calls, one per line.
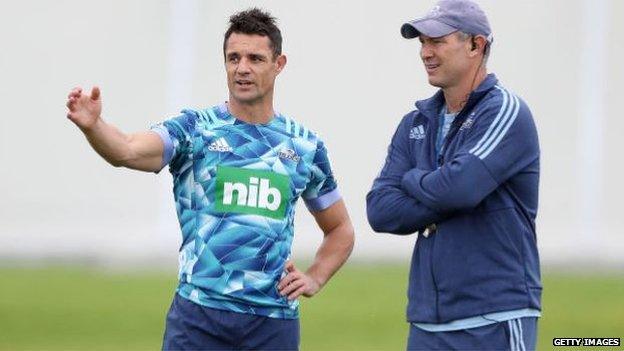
point(255, 21)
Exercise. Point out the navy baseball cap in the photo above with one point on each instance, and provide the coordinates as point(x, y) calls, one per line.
point(449, 16)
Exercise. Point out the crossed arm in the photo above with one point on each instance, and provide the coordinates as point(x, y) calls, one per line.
point(389, 207)
point(501, 144)
point(141, 151)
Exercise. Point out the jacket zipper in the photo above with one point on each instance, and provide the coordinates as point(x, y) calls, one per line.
point(433, 278)
point(451, 134)
point(440, 161)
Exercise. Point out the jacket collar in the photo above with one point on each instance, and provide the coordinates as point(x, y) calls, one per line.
point(431, 107)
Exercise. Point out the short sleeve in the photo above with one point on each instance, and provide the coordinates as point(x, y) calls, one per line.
point(322, 191)
point(176, 137)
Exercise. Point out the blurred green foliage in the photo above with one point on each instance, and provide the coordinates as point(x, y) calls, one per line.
point(73, 308)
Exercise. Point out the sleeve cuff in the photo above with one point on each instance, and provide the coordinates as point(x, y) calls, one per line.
point(324, 201)
point(163, 133)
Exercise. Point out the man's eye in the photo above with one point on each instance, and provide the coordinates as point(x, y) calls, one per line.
point(233, 59)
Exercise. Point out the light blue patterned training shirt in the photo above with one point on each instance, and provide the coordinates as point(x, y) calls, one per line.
point(235, 186)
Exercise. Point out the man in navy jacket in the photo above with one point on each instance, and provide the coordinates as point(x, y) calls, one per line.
point(462, 170)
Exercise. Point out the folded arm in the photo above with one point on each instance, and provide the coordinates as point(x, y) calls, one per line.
point(501, 143)
point(389, 207)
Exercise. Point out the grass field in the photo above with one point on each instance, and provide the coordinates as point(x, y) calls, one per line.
point(72, 308)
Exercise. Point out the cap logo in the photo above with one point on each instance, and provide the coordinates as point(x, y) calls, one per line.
point(435, 12)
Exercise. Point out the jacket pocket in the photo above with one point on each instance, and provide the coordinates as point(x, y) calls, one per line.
point(477, 260)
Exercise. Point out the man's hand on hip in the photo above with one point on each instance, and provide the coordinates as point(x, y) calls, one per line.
point(297, 283)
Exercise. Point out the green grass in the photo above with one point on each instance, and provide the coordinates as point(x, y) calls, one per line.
point(72, 308)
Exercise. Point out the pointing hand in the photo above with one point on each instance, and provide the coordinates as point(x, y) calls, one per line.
point(84, 109)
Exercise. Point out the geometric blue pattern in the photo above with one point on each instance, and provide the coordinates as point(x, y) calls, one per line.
point(233, 261)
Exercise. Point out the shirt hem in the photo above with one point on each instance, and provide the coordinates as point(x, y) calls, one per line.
point(192, 294)
point(478, 321)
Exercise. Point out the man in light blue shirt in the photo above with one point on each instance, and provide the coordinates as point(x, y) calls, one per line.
point(238, 171)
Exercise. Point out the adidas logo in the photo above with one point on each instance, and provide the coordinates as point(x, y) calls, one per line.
point(417, 133)
point(220, 145)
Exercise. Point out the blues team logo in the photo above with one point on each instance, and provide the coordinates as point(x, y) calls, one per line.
point(289, 154)
point(468, 122)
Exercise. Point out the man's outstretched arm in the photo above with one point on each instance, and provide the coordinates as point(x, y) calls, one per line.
point(334, 250)
point(142, 151)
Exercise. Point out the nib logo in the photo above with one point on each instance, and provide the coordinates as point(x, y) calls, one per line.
point(250, 191)
point(249, 195)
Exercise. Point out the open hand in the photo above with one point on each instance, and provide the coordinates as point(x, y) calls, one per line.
point(84, 109)
point(297, 283)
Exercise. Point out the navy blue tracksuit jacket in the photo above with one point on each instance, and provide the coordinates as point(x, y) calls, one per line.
point(481, 192)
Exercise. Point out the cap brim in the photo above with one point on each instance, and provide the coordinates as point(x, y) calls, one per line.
point(428, 27)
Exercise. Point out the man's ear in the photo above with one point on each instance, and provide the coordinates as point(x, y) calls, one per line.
point(478, 43)
point(281, 62)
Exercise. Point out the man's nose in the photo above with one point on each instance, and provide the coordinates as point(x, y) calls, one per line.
point(426, 52)
point(243, 66)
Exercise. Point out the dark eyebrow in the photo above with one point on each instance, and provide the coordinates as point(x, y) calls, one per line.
point(257, 56)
